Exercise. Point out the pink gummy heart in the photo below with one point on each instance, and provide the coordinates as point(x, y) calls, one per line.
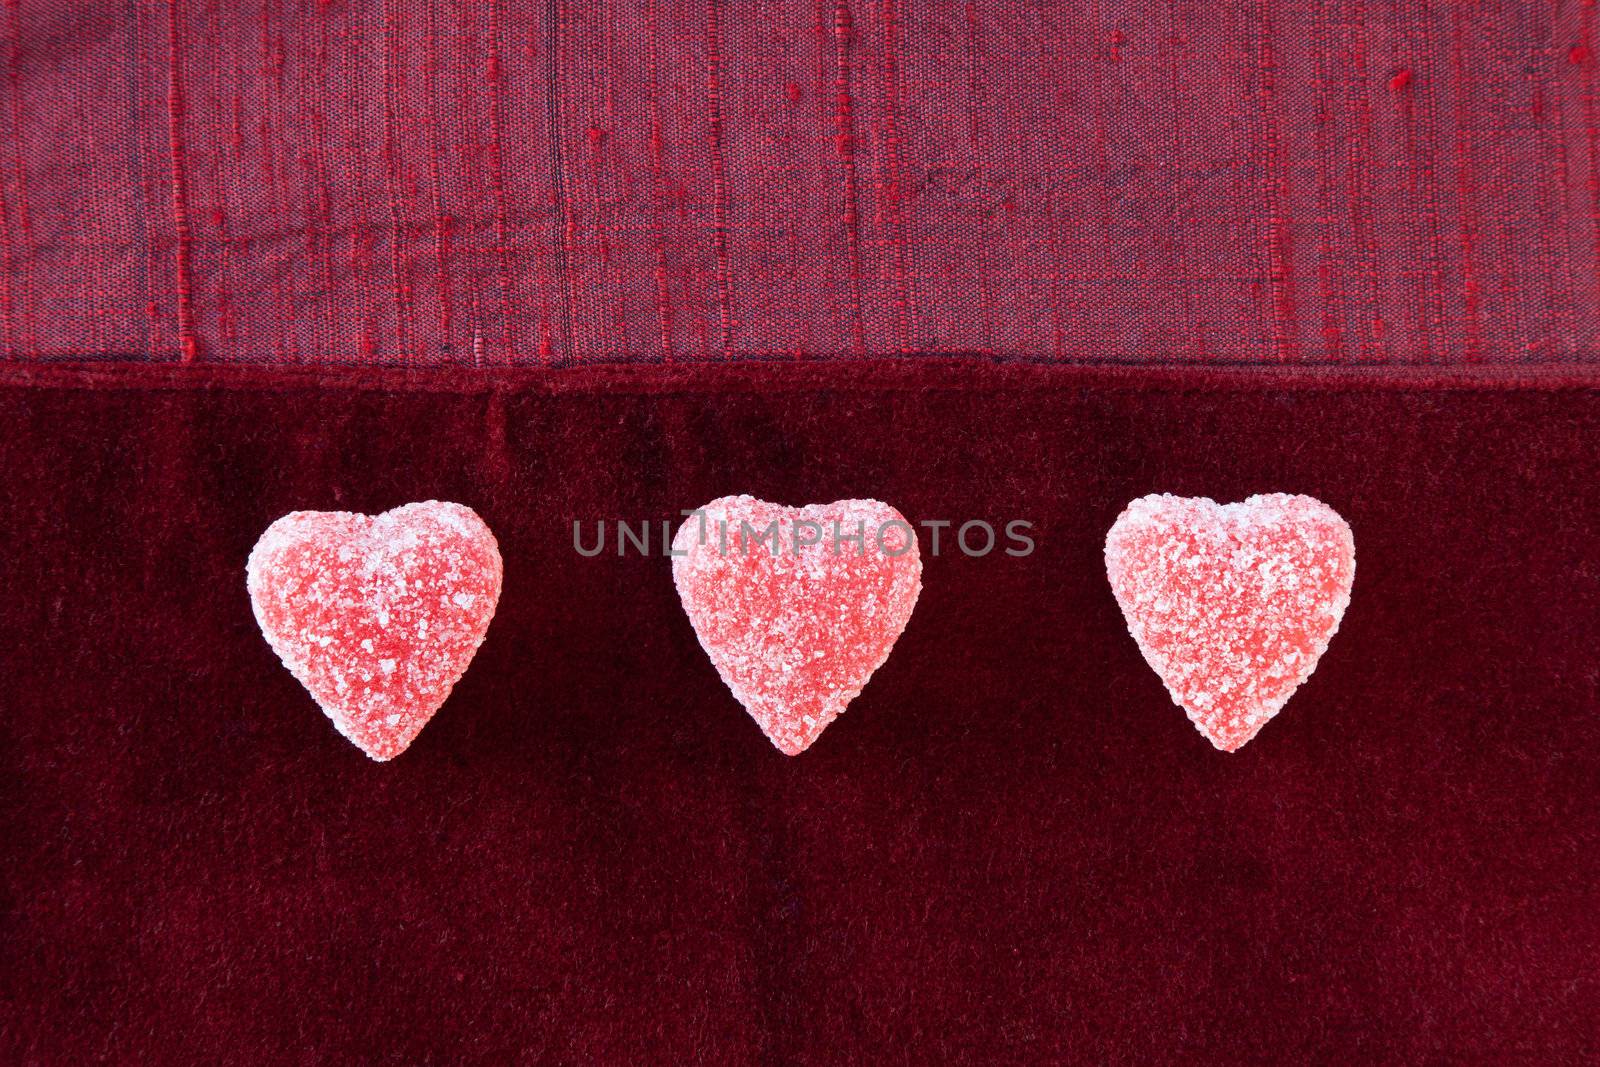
point(378, 616)
point(796, 634)
point(1231, 604)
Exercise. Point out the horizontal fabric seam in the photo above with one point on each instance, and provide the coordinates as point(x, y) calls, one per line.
point(873, 376)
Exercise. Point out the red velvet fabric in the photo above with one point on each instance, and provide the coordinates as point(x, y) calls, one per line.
point(1012, 847)
point(431, 181)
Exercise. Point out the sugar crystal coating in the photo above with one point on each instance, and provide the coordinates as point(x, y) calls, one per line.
point(796, 635)
point(1231, 604)
point(377, 616)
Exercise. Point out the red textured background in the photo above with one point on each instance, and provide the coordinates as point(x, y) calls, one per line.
point(1012, 848)
point(429, 181)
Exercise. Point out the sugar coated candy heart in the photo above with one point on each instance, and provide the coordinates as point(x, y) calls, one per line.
point(1231, 604)
point(796, 607)
point(378, 616)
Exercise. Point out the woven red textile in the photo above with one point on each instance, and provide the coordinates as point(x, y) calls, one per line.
point(427, 181)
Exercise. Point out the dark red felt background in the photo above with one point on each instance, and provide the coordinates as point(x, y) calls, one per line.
point(1012, 848)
